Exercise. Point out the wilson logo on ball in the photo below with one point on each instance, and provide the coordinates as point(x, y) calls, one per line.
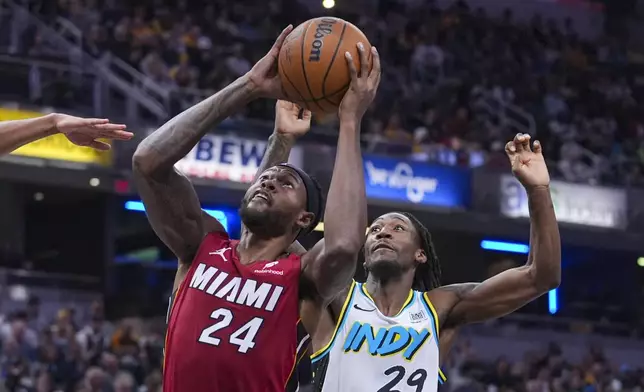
point(322, 30)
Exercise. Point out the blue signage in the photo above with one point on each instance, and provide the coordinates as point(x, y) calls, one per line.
point(415, 182)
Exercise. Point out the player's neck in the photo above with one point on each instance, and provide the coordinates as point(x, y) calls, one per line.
point(389, 295)
point(252, 247)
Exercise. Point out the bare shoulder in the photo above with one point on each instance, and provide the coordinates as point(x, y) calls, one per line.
point(320, 320)
point(337, 304)
point(444, 298)
point(459, 289)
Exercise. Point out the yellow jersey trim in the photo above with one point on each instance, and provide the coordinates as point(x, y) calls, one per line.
point(434, 313)
point(442, 377)
point(408, 301)
point(341, 318)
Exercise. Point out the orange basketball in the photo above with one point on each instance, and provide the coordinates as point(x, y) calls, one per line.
point(312, 65)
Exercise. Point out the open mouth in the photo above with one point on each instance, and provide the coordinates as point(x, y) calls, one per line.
point(382, 245)
point(259, 195)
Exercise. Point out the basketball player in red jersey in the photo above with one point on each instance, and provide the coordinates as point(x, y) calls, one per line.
point(80, 131)
point(232, 325)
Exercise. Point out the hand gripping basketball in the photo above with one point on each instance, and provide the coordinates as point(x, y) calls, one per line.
point(364, 85)
point(264, 76)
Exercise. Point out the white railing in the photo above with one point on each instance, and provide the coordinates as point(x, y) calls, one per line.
point(507, 114)
point(159, 92)
point(68, 39)
point(68, 30)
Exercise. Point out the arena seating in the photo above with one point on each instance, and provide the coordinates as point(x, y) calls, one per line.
point(78, 350)
point(445, 69)
point(582, 99)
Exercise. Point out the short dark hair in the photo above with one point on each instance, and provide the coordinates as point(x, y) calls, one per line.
point(428, 274)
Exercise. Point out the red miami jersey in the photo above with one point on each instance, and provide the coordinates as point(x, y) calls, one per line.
point(232, 327)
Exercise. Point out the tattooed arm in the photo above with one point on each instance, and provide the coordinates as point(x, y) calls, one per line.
point(171, 202)
point(514, 288)
point(291, 122)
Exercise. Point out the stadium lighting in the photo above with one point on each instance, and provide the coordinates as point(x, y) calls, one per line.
point(553, 303)
point(502, 246)
point(328, 4)
point(514, 247)
point(217, 214)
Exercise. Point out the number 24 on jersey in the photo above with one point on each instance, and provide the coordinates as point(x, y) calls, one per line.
point(243, 338)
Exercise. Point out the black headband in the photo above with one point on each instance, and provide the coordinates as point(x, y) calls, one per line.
point(313, 196)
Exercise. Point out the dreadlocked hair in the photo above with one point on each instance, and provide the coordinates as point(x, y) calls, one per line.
point(428, 275)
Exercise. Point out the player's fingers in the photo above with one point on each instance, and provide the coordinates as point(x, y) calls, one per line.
point(510, 148)
point(110, 127)
point(517, 142)
point(537, 147)
point(95, 121)
point(115, 134)
point(364, 60)
point(306, 115)
point(525, 142)
point(375, 70)
point(352, 67)
point(280, 39)
point(99, 145)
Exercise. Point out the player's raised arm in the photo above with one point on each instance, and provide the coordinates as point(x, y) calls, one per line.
point(80, 131)
point(514, 288)
point(331, 263)
point(170, 199)
point(291, 122)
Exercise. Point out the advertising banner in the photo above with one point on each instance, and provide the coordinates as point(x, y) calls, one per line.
point(56, 146)
point(574, 203)
point(228, 158)
point(416, 183)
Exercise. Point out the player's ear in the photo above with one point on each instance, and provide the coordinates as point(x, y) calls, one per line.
point(305, 220)
point(420, 256)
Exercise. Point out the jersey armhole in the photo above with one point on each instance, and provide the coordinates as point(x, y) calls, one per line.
point(341, 319)
point(433, 314)
point(435, 327)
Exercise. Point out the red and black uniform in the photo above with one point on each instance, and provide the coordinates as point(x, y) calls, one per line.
point(233, 327)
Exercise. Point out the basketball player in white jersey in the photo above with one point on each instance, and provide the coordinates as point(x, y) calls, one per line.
point(80, 131)
point(383, 335)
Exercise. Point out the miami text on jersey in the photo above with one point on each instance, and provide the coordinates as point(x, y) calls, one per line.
point(386, 341)
point(236, 289)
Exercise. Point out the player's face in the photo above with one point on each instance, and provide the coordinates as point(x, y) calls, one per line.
point(392, 244)
point(275, 203)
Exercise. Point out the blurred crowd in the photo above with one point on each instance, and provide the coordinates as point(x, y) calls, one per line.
point(78, 354)
point(443, 66)
point(543, 371)
point(83, 352)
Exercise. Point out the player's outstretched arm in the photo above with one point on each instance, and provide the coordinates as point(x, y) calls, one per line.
point(291, 122)
point(331, 264)
point(80, 131)
point(171, 202)
point(514, 288)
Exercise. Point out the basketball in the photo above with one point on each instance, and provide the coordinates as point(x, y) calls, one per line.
point(312, 66)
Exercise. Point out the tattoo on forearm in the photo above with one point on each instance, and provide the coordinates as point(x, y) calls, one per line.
point(277, 151)
point(177, 137)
